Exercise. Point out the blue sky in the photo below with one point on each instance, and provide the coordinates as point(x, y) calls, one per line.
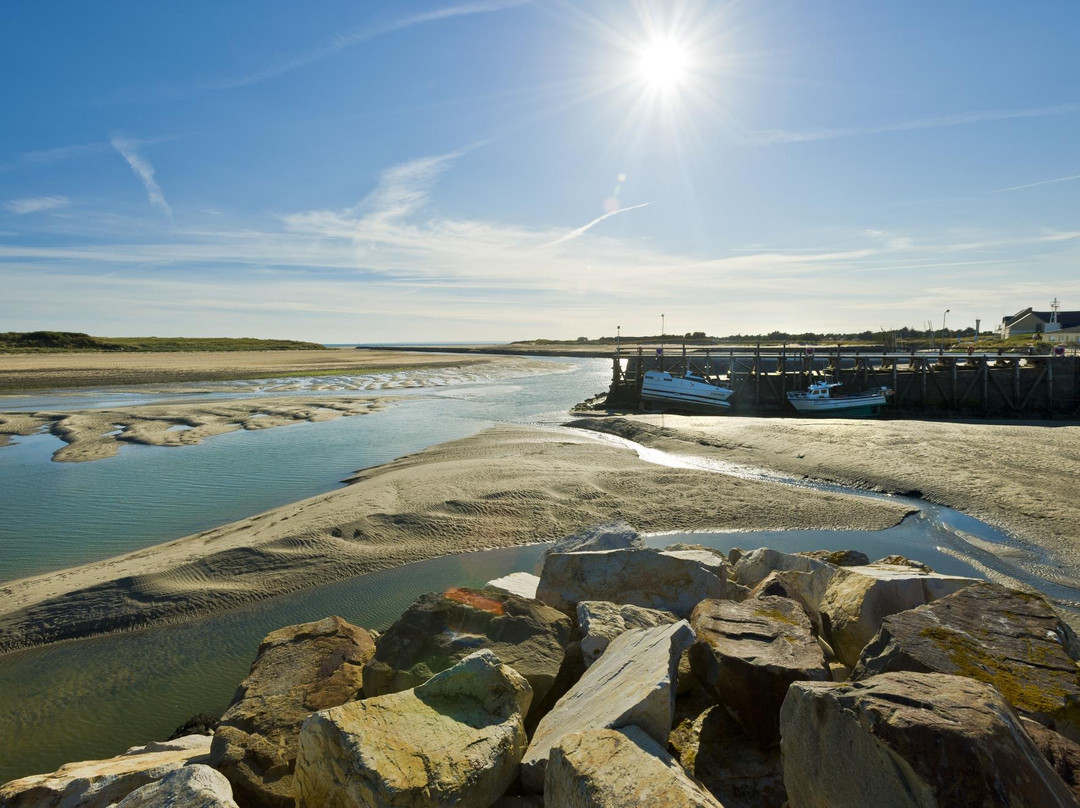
point(501, 169)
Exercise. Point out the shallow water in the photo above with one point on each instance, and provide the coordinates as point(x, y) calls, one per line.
point(55, 515)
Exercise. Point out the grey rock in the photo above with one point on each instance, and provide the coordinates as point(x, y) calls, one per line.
point(673, 581)
point(607, 768)
point(911, 739)
point(748, 654)
point(195, 786)
point(455, 740)
point(1012, 640)
point(632, 683)
point(298, 670)
point(599, 622)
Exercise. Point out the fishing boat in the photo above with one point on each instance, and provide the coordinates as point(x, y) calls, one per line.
point(819, 399)
point(688, 392)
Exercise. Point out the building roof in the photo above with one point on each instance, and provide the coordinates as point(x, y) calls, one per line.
point(1067, 319)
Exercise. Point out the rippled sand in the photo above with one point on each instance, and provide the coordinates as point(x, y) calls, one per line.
point(506, 486)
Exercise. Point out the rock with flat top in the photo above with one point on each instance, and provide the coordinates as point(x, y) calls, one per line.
point(298, 670)
point(841, 558)
point(522, 584)
point(632, 683)
point(923, 740)
point(754, 566)
point(98, 783)
point(455, 740)
point(674, 581)
point(615, 535)
point(904, 561)
point(600, 622)
point(619, 768)
point(195, 786)
point(858, 599)
point(747, 655)
point(439, 629)
point(1012, 640)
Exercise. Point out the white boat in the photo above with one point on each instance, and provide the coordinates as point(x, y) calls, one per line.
point(820, 400)
point(689, 392)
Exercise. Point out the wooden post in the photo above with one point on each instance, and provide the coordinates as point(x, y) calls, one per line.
point(985, 384)
point(783, 373)
point(955, 392)
point(924, 364)
point(1050, 383)
point(1016, 380)
point(757, 375)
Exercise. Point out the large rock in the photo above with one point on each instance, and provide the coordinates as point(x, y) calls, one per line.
point(455, 740)
point(858, 599)
point(438, 630)
point(632, 683)
point(298, 670)
point(841, 558)
point(608, 768)
point(600, 622)
point(754, 566)
point(911, 739)
point(1062, 754)
point(98, 783)
point(195, 786)
point(748, 654)
point(735, 770)
point(615, 535)
point(522, 584)
point(1013, 640)
point(674, 581)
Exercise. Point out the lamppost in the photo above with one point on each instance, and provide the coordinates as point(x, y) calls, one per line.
point(618, 335)
point(943, 334)
point(661, 327)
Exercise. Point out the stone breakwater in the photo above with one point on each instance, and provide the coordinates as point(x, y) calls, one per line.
point(624, 676)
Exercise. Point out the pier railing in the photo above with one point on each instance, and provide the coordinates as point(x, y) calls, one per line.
point(964, 384)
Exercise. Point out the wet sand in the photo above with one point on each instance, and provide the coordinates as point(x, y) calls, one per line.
point(1018, 477)
point(506, 486)
point(96, 434)
point(36, 371)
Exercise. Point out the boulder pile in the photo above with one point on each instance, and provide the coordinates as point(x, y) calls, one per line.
point(625, 676)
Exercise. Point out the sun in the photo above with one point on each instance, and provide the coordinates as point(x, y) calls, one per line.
point(663, 64)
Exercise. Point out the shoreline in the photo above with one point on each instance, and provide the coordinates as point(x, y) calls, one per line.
point(65, 371)
point(506, 486)
point(1016, 477)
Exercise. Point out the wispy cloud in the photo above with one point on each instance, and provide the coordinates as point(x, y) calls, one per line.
point(1040, 182)
point(938, 122)
point(348, 40)
point(585, 228)
point(35, 204)
point(143, 170)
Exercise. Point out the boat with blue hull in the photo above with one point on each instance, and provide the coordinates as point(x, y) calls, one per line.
point(661, 390)
point(820, 400)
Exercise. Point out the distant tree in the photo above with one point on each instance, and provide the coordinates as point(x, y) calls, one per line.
point(582, 339)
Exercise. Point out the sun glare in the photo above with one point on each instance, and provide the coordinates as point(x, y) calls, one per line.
point(663, 64)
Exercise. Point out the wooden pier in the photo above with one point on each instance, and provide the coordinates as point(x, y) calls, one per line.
point(970, 385)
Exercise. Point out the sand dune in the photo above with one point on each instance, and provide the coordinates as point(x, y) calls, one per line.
point(506, 486)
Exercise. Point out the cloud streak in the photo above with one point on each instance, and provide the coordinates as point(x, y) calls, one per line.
point(345, 41)
point(1036, 184)
point(573, 234)
point(35, 204)
point(143, 170)
point(771, 136)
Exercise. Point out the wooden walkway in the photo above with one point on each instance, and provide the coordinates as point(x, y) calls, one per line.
point(924, 384)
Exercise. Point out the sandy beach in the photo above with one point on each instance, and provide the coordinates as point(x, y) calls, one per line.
point(28, 371)
point(508, 485)
point(1018, 477)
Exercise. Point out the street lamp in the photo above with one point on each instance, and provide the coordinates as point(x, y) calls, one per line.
point(943, 334)
point(618, 335)
point(661, 327)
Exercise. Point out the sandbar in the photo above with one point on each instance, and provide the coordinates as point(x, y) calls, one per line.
point(508, 485)
point(35, 371)
point(1019, 477)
